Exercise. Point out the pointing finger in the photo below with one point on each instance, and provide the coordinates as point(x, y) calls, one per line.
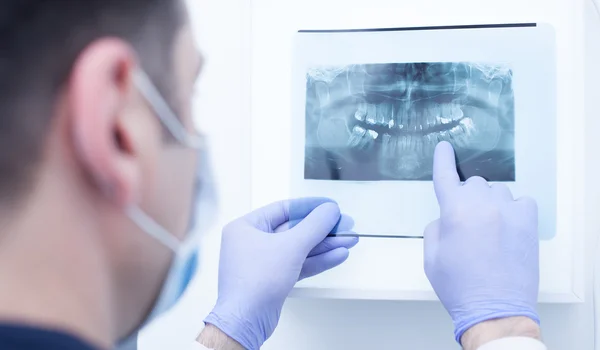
point(445, 174)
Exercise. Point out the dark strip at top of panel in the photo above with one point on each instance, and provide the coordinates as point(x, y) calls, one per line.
point(405, 29)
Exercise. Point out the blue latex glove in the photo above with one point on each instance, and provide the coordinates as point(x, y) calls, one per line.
point(481, 256)
point(264, 254)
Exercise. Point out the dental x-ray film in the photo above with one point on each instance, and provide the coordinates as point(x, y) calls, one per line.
point(369, 122)
point(369, 107)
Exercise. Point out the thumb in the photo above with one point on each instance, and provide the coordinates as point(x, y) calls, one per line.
point(317, 225)
point(269, 218)
point(346, 223)
point(431, 243)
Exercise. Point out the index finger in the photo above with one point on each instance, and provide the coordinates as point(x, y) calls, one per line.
point(445, 174)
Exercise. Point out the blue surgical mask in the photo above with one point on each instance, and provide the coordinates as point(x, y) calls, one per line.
point(185, 261)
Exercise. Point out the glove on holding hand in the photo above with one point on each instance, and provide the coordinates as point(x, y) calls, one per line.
point(264, 254)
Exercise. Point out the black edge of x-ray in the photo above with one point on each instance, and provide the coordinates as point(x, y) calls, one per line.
point(404, 29)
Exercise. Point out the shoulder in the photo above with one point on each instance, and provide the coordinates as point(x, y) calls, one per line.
point(14, 336)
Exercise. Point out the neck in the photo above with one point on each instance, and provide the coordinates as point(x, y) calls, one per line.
point(51, 276)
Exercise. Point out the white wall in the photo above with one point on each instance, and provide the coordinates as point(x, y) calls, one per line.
point(224, 32)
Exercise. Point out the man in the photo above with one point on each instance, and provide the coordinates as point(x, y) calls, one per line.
point(98, 178)
point(103, 174)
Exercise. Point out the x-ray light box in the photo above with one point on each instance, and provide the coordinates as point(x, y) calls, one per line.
point(369, 106)
point(366, 109)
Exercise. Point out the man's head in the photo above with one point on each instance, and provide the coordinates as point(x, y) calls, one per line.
point(78, 140)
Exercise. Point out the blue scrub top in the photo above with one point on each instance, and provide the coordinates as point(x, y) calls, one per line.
point(17, 337)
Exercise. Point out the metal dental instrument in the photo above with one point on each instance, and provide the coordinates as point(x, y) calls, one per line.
point(371, 236)
point(359, 235)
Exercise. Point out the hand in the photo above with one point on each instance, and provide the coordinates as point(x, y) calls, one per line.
point(481, 256)
point(264, 254)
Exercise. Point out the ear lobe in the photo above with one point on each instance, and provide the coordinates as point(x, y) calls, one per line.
point(99, 93)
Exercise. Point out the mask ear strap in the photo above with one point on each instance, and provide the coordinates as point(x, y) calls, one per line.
point(163, 111)
point(151, 227)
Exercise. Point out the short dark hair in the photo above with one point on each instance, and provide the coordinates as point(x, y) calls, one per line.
point(40, 41)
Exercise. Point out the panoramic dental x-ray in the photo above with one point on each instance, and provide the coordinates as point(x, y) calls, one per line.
point(372, 122)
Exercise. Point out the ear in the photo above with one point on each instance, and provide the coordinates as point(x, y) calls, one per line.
point(99, 93)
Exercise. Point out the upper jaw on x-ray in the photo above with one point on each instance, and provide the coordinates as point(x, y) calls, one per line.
point(397, 113)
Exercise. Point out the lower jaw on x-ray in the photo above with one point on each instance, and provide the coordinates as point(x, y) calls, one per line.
point(373, 122)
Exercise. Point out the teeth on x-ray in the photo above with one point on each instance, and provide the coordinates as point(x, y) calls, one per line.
point(362, 138)
point(400, 112)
